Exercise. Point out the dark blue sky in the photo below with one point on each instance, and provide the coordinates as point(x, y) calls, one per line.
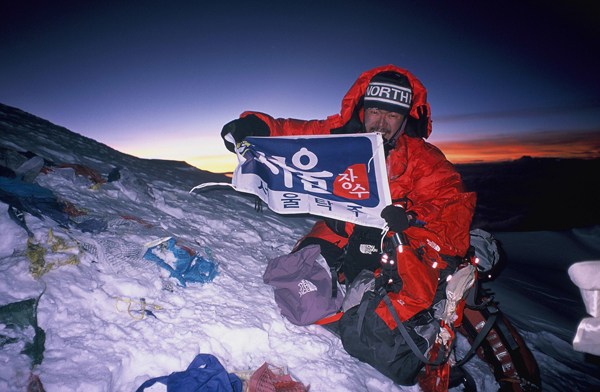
point(160, 78)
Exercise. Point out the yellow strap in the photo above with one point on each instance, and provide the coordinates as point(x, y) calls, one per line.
point(141, 302)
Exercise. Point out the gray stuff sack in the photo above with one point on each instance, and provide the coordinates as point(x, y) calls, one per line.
point(302, 286)
point(487, 251)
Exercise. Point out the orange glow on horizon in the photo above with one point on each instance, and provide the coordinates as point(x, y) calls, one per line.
point(215, 164)
point(583, 145)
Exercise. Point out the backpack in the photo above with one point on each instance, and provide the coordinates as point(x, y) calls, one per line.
point(486, 251)
point(368, 338)
point(420, 348)
point(502, 347)
point(426, 338)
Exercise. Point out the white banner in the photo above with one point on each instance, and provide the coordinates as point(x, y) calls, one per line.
point(337, 176)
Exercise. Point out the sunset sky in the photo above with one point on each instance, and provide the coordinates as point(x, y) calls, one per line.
point(159, 79)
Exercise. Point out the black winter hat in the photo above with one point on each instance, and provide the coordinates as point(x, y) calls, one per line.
point(389, 91)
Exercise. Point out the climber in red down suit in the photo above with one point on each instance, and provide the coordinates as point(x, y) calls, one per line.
point(430, 205)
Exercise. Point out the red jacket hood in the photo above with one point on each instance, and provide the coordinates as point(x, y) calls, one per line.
point(357, 91)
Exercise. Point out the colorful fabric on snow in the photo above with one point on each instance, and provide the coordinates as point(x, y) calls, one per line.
point(17, 318)
point(205, 373)
point(32, 198)
point(337, 176)
point(272, 379)
point(182, 263)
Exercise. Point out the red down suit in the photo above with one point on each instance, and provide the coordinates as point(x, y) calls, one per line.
point(421, 179)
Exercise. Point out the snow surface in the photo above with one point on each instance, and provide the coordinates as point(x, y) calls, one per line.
point(94, 344)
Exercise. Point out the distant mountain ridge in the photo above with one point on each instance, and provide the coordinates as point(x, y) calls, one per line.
point(21, 131)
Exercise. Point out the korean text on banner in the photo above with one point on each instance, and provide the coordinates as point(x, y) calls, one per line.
point(337, 176)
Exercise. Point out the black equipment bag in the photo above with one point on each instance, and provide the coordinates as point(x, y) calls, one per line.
point(367, 337)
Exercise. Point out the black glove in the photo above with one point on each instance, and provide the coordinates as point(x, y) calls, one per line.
point(243, 127)
point(396, 218)
point(418, 127)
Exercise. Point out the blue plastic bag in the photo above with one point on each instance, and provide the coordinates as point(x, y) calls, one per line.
point(187, 268)
point(205, 374)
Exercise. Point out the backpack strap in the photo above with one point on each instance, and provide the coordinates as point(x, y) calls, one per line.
point(409, 340)
point(330, 319)
point(474, 302)
point(510, 340)
point(489, 324)
point(362, 310)
point(334, 280)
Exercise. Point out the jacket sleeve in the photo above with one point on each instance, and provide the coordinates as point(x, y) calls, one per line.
point(437, 195)
point(290, 126)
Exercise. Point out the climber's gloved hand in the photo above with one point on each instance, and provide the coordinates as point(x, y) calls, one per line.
point(396, 218)
point(243, 127)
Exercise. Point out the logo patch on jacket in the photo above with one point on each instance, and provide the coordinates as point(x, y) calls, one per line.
point(368, 249)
